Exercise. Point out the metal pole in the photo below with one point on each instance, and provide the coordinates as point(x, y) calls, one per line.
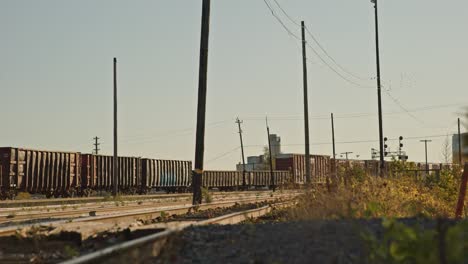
point(333, 135)
point(272, 178)
point(115, 160)
point(459, 145)
point(242, 150)
point(306, 105)
point(379, 85)
point(201, 107)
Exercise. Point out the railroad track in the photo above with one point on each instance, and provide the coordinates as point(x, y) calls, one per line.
point(143, 248)
point(81, 200)
point(17, 216)
point(147, 214)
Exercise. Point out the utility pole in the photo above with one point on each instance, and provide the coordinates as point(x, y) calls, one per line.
point(425, 147)
point(306, 105)
point(333, 135)
point(459, 145)
point(115, 161)
point(346, 153)
point(333, 142)
point(242, 150)
point(96, 145)
point(272, 178)
point(201, 107)
point(379, 85)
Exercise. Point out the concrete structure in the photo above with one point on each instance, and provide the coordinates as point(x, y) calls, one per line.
point(455, 151)
point(258, 162)
point(275, 141)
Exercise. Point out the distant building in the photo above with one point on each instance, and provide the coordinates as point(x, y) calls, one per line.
point(464, 149)
point(275, 142)
point(255, 163)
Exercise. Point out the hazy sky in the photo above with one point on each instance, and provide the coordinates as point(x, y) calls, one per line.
point(56, 75)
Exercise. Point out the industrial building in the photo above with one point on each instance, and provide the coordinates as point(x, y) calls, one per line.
point(464, 148)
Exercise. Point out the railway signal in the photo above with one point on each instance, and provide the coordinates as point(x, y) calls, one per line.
point(96, 145)
point(385, 147)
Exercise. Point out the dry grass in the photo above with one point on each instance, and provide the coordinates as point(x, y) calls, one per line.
point(366, 197)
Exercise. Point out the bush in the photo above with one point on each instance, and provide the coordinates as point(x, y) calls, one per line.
point(23, 196)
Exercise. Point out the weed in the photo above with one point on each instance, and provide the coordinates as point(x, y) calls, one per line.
point(70, 251)
point(206, 195)
point(23, 196)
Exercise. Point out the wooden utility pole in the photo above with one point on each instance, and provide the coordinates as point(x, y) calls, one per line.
point(242, 150)
point(201, 107)
point(379, 93)
point(425, 149)
point(462, 193)
point(333, 136)
point(459, 145)
point(272, 178)
point(115, 161)
point(306, 105)
point(333, 144)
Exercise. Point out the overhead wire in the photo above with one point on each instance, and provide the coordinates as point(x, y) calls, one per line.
point(312, 48)
point(280, 21)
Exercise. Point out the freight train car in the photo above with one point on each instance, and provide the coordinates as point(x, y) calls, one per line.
point(222, 180)
point(263, 178)
point(97, 173)
point(51, 173)
point(231, 180)
point(295, 163)
point(166, 175)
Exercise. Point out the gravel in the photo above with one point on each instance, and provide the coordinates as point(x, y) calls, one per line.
point(319, 241)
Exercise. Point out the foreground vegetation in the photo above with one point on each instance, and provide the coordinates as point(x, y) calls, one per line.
point(353, 194)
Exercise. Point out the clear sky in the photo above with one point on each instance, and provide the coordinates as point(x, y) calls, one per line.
point(56, 75)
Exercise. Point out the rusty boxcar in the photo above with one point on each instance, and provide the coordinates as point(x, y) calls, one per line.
point(166, 175)
point(295, 163)
point(263, 178)
point(52, 173)
point(223, 180)
point(97, 173)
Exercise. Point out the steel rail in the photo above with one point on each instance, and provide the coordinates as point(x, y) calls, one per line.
point(155, 242)
point(149, 213)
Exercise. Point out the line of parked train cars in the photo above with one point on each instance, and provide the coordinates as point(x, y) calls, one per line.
point(67, 174)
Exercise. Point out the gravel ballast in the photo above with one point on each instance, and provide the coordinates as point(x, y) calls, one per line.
point(319, 241)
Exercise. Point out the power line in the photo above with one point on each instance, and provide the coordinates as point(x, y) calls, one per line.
point(223, 154)
point(352, 115)
point(402, 107)
point(336, 72)
point(280, 21)
point(287, 15)
point(312, 48)
point(332, 59)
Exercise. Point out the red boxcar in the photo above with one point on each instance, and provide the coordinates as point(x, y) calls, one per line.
point(97, 173)
point(37, 171)
point(295, 163)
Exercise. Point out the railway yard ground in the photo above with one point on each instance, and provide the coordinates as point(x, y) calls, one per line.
point(56, 232)
point(353, 219)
